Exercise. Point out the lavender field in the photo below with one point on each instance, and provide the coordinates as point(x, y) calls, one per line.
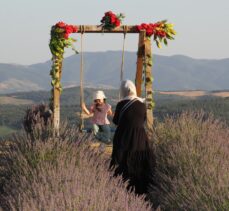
point(192, 152)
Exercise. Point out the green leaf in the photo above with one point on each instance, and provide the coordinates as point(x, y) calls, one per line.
point(165, 41)
point(152, 104)
point(51, 72)
point(158, 44)
point(150, 62)
point(72, 39)
point(169, 37)
point(53, 82)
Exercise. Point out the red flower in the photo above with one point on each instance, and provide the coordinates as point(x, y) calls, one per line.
point(139, 27)
point(149, 32)
point(60, 24)
point(113, 19)
point(151, 29)
point(109, 13)
point(66, 35)
point(157, 24)
point(117, 22)
point(68, 29)
point(144, 25)
point(161, 33)
point(75, 29)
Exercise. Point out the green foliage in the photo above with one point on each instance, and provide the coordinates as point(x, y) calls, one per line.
point(11, 116)
point(58, 42)
point(161, 31)
point(172, 105)
point(4, 131)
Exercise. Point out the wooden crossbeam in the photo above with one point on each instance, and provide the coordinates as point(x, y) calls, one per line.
point(99, 29)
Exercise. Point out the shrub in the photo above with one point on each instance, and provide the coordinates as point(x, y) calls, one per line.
point(61, 174)
point(37, 121)
point(192, 154)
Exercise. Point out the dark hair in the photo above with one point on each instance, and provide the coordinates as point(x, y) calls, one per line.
point(97, 105)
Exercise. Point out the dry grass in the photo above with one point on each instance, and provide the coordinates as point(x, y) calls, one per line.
point(195, 94)
point(192, 94)
point(221, 94)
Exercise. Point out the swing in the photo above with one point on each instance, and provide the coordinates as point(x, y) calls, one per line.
point(82, 114)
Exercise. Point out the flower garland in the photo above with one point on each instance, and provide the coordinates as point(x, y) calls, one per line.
point(111, 20)
point(59, 40)
point(161, 31)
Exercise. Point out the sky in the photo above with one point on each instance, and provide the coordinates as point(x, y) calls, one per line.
point(202, 26)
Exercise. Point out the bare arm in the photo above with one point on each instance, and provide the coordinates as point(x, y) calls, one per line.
point(84, 108)
point(109, 112)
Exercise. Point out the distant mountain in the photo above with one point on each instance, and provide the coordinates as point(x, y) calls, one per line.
point(103, 69)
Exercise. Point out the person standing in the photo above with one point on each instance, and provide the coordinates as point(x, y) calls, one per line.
point(132, 156)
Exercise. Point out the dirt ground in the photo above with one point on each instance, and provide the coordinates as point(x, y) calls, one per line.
point(194, 94)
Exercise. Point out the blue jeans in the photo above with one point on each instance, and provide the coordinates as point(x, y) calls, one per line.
point(102, 132)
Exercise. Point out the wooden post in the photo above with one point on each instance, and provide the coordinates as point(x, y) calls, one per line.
point(56, 111)
point(81, 85)
point(140, 61)
point(148, 85)
point(56, 104)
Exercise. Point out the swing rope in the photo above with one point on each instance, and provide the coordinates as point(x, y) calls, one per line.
point(81, 126)
point(123, 52)
point(82, 30)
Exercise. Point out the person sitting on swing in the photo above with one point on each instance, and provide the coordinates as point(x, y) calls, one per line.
point(100, 109)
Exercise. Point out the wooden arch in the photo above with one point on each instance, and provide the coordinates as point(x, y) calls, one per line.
point(144, 62)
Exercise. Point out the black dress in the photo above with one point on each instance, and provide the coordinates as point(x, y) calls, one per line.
point(131, 155)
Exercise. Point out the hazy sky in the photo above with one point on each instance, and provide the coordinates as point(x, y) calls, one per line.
point(202, 26)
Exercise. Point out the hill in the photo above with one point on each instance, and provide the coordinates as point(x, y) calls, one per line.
point(103, 69)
